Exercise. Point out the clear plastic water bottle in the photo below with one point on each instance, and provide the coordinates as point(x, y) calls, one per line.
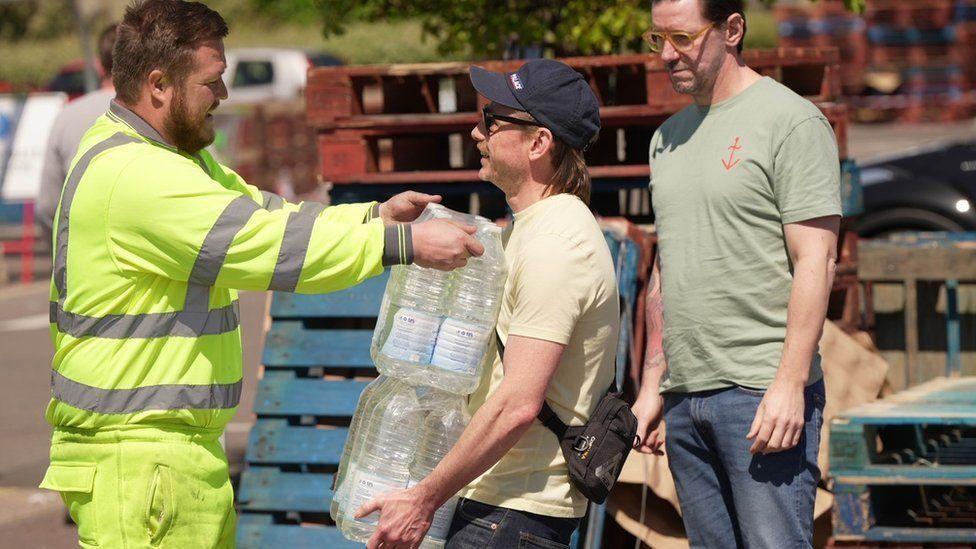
point(466, 335)
point(389, 440)
point(411, 314)
point(364, 411)
point(442, 429)
point(434, 326)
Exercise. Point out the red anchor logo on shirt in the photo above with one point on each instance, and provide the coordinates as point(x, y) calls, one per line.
point(732, 160)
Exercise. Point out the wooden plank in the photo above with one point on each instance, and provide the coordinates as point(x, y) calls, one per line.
point(273, 441)
point(360, 301)
point(616, 116)
point(938, 390)
point(852, 514)
point(849, 446)
point(941, 401)
point(281, 393)
point(270, 489)
point(921, 535)
point(909, 414)
point(927, 260)
point(900, 475)
point(258, 532)
point(640, 171)
point(290, 344)
point(753, 58)
point(382, 125)
point(911, 330)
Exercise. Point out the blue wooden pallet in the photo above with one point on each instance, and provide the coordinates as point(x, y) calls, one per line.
point(903, 514)
point(315, 348)
point(897, 490)
point(316, 359)
point(927, 435)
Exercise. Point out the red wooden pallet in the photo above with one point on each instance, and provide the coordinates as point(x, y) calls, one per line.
point(920, 55)
point(905, 108)
point(337, 94)
point(404, 149)
point(818, 10)
point(920, 14)
point(966, 39)
point(853, 49)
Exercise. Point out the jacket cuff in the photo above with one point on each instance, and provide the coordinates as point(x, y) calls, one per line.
point(397, 245)
point(373, 213)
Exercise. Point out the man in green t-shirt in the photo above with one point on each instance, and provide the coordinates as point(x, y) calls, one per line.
point(745, 186)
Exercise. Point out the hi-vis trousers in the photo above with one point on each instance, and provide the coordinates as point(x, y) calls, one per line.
point(144, 487)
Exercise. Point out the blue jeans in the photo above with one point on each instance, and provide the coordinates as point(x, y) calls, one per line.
point(481, 526)
point(729, 497)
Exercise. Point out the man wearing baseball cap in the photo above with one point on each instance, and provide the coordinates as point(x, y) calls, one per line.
point(558, 326)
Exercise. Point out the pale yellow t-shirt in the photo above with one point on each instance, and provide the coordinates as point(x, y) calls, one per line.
point(561, 287)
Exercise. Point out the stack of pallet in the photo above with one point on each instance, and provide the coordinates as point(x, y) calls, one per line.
point(917, 287)
point(924, 46)
point(903, 469)
point(384, 128)
point(905, 61)
point(827, 24)
point(270, 146)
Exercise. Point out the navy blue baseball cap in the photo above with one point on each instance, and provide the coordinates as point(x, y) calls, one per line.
point(554, 94)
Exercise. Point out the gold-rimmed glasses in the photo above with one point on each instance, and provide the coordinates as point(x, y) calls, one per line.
point(681, 40)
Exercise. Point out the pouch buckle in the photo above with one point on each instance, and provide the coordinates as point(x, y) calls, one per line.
point(583, 443)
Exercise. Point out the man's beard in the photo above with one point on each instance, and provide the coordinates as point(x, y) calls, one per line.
point(686, 86)
point(188, 135)
point(505, 177)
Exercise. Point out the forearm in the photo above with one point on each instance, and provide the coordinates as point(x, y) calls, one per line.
point(812, 280)
point(493, 431)
point(655, 367)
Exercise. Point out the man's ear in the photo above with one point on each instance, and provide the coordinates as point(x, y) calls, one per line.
point(735, 29)
point(542, 142)
point(159, 86)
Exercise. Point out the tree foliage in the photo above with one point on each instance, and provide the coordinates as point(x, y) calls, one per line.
point(34, 19)
point(495, 28)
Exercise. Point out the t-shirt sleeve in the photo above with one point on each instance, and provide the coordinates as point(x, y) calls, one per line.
point(549, 289)
point(652, 156)
point(806, 172)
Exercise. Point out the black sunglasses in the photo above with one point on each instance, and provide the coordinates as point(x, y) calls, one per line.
point(490, 118)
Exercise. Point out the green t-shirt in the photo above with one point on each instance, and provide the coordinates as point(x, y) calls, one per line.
point(724, 180)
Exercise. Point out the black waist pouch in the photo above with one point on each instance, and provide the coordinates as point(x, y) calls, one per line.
point(596, 451)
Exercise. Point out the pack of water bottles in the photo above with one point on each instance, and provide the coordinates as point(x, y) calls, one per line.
point(433, 338)
point(436, 327)
point(399, 434)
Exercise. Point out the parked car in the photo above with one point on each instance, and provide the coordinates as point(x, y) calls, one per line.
point(260, 74)
point(932, 189)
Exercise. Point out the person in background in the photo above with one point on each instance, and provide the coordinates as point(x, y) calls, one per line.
point(72, 123)
point(745, 185)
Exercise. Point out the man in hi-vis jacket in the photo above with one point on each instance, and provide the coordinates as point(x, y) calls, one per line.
point(153, 238)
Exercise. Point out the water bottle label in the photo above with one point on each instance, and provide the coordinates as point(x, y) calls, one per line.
point(441, 524)
point(366, 487)
point(412, 336)
point(460, 346)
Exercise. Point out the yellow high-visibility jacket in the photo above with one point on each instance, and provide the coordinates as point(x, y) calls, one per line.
point(150, 248)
